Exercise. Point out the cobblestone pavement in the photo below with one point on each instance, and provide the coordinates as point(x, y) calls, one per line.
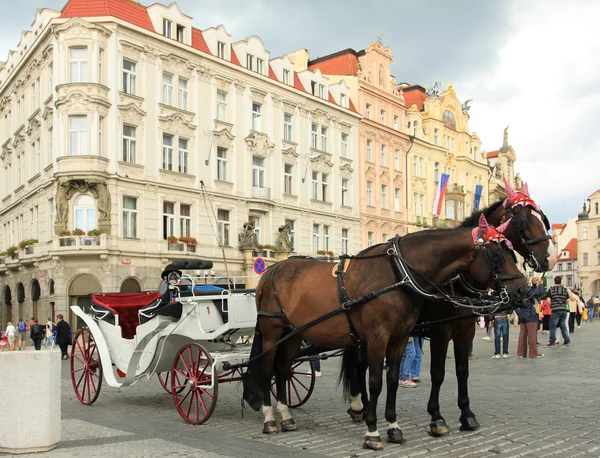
point(540, 407)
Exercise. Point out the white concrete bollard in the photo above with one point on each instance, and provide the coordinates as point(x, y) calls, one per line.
point(29, 401)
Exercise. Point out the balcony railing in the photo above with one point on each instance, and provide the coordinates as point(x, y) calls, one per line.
point(261, 193)
point(81, 242)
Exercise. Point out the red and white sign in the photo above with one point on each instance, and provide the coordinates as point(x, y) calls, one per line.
point(125, 261)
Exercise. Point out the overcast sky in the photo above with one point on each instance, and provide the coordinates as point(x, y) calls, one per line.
point(533, 65)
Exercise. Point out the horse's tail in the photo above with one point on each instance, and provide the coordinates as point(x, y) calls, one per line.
point(252, 378)
point(348, 371)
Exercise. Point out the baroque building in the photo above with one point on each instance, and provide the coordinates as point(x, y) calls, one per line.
point(588, 247)
point(156, 140)
point(383, 140)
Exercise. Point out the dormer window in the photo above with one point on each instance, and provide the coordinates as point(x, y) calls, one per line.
point(180, 33)
point(286, 77)
point(321, 91)
point(313, 88)
point(167, 26)
point(221, 50)
point(249, 61)
point(259, 65)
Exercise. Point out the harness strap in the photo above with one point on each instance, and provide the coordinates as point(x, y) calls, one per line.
point(269, 314)
point(343, 297)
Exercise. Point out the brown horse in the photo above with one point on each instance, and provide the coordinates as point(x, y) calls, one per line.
point(442, 322)
point(297, 299)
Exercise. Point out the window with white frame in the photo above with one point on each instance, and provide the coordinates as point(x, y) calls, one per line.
point(129, 76)
point(185, 220)
point(415, 166)
point(222, 111)
point(292, 224)
point(460, 210)
point(85, 213)
point(221, 50)
point(167, 156)
point(436, 136)
point(416, 129)
point(167, 28)
point(18, 170)
point(315, 185)
point(343, 101)
point(396, 122)
point(370, 193)
point(326, 241)
point(51, 78)
point(436, 172)
point(129, 143)
point(36, 157)
point(183, 93)
point(287, 178)
point(167, 88)
point(32, 91)
point(397, 199)
point(313, 88)
point(258, 172)
point(100, 66)
point(314, 135)
point(323, 138)
point(183, 156)
point(450, 209)
point(50, 218)
point(130, 217)
point(382, 116)
point(256, 116)
point(49, 157)
point(369, 150)
point(259, 65)
point(286, 77)
point(180, 33)
point(475, 153)
point(368, 111)
point(396, 159)
point(168, 219)
point(249, 61)
point(78, 140)
point(288, 127)
point(384, 196)
point(257, 231)
point(316, 237)
point(324, 187)
point(585, 233)
point(384, 162)
point(100, 135)
point(418, 204)
point(344, 143)
point(344, 241)
point(78, 64)
point(345, 192)
point(221, 164)
point(321, 91)
point(370, 237)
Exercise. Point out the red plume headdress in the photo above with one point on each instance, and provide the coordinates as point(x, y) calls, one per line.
point(521, 197)
point(490, 233)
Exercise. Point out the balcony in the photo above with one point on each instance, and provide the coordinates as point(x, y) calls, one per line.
point(68, 165)
point(261, 193)
point(73, 242)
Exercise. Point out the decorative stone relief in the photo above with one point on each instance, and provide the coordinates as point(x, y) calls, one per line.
point(74, 98)
point(240, 86)
point(204, 73)
point(321, 163)
point(398, 179)
point(384, 177)
point(33, 126)
point(370, 173)
point(258, 95)
point(178, 124)
point(277, 99)
point(259, 144)
point(131, 50)
point(224, 138)
point(176, 64)
point(131, 113)
point(346, 171)
point(47, 115)
point(290, 156)
point(66, 190)
point(289, 104)
point(79, 28)
point(151, 53)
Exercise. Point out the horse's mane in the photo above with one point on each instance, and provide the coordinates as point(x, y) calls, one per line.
point(473, 220)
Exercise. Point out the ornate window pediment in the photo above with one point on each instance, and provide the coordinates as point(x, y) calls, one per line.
point(131, 113)
point(370, 173)
point(79, 97)
point(321, 163)
point(346, 171)
point(178, 124)
point(131, 50)
point(77, 28)
point(384, 177)
point(398, 179)
point(290, 156)
point(176, 64)
point(259, 144)
point(224, 138)
point(33, 126)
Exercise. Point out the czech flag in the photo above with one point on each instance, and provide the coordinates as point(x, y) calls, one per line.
point(439, 194)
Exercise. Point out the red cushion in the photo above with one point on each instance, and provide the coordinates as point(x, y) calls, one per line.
point(127, 306)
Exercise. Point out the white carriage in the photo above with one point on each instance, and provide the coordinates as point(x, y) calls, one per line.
point(187, 334)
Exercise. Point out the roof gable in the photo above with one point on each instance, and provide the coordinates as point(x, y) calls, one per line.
point(127, 10)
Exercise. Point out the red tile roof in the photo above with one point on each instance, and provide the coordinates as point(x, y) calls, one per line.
point(127, 10)
point(352, 107)
point(345, 63)
point(571, 248)
point(559, 226)
point(297, 83)
point(492, 154)
point(331, 99)
point(414, 95)
point(198, 41)
point(272, 73)
point(234, 58)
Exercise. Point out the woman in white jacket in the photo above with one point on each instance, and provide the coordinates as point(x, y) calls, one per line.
point(11, 332)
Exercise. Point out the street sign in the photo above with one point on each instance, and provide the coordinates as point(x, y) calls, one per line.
point(259, 265)
point(126, 261)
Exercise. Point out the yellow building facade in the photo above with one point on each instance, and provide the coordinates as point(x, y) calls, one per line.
point(588, 247)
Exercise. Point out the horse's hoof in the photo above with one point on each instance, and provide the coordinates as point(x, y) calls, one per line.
point(438, 428)
point(270, 427)
point(395, 436)
point(356, 415)
point(288, 425)
point(373, 443)
point(469, 424)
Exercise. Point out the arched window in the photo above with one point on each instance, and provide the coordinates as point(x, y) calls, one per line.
point(415, 128)
point(85, 213)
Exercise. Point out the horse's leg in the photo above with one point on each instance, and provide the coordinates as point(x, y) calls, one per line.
point(439, 348)
point(375, 351)
point(285, 357)
point(270, 336)
point(393, 357)
point(462, 345)
point(351, 372)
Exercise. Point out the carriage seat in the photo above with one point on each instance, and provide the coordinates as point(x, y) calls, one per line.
point(126, 306)
point(186, 264)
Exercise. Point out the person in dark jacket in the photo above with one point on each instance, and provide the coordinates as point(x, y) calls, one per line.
point(528, 322)
point(63, 335)
point(36, 334)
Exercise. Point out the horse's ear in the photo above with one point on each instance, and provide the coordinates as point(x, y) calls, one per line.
point(525, 190)
point(510, 192)
point(483, 224)
point(503, 226)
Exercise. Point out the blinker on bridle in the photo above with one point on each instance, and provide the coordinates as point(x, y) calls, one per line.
point(521, 223)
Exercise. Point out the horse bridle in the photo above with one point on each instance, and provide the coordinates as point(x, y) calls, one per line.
point(521, 222)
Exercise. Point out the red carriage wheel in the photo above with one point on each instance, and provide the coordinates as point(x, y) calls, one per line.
point(86, 369)
point(300, 384)
point(191, 379)
point(165, 381)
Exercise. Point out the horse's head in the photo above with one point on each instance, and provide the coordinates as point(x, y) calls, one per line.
point(529, 229)
point(493, 262)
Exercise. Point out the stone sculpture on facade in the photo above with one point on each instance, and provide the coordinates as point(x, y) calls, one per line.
point(434, 91)
point(67, 189)
point(247, 238)
point(283, 240)
point(465, 107)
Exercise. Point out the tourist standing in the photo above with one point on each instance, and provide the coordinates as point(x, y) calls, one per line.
point(22, 328)
point(415, 369)
point(528, 319)
point(37, 334)
point(558, 303)
point(589, 305)
point(49, 333)
point(11, 333)
point(63, 335)
point(408, 357)
point(501, 327)
point(546, 313)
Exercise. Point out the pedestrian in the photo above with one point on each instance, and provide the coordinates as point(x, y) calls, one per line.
point(63, 335)
point(415, 368)
point(589, 305)
point(29, 325)
point(37, 334)
point(487, 320)
point(3, 339)
point(22, 328)
point(49, 333)
point(408, 357)
point(575, 311)
point(11, 333)
point(501, 328)
point(546, 311)
point(528, 319)
point(558, 303)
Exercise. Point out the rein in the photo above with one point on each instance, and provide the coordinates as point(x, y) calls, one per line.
point(521, 223)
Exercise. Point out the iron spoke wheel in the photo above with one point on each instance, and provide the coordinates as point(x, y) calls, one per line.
point(300, 384)
point(86, 369)
point(190, 384)
point(165, 380)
